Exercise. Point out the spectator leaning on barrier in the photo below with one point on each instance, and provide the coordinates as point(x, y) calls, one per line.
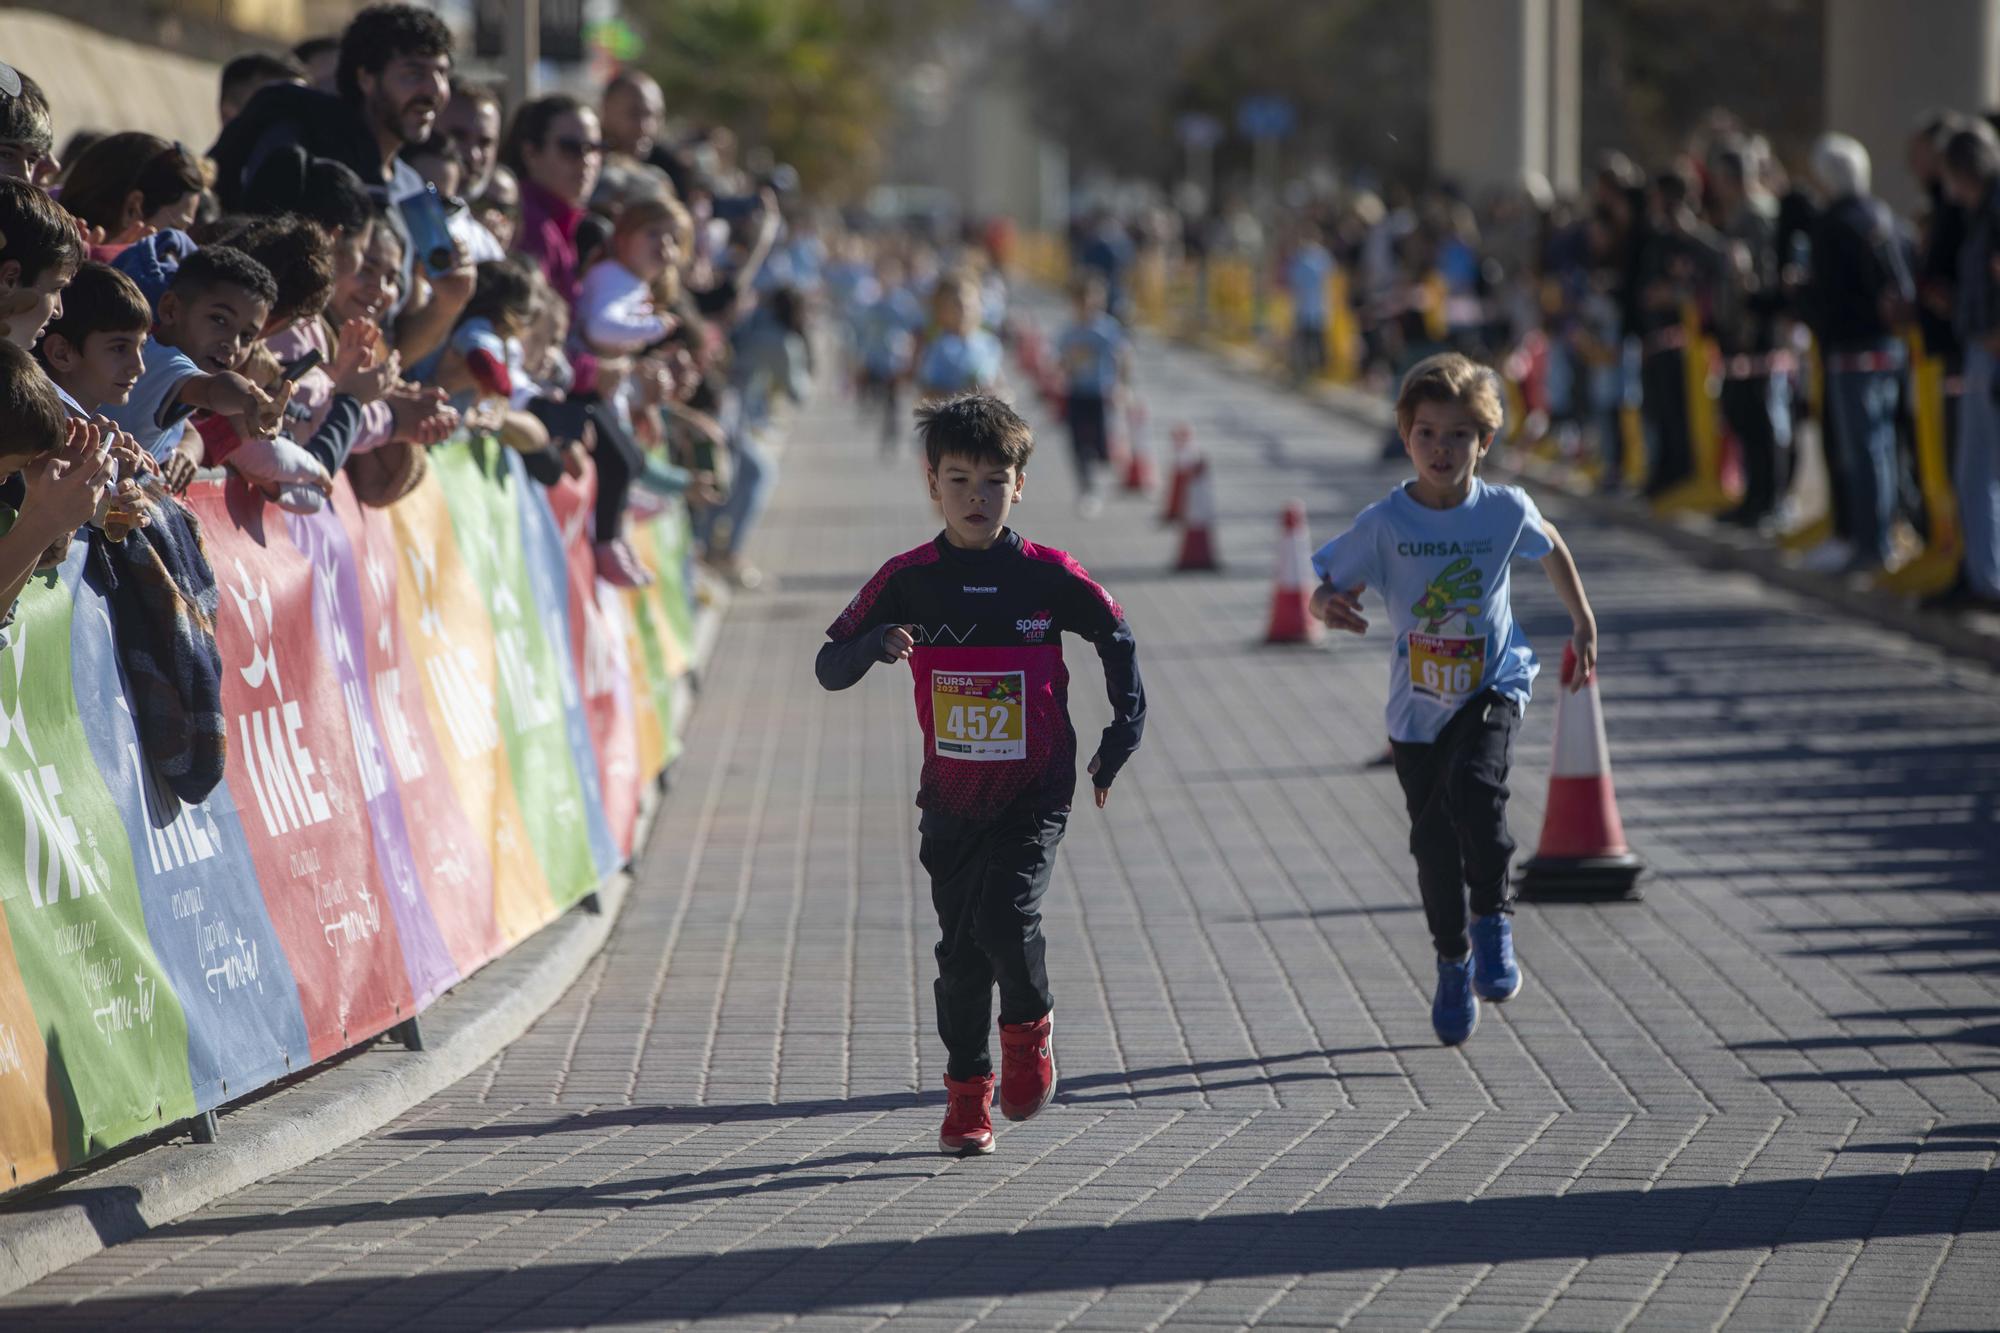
point(1859, 282)
point(63, 466)
point(1971, 171)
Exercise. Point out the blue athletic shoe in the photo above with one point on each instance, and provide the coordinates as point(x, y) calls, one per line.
point(1455, 1010)
point(1495, 974)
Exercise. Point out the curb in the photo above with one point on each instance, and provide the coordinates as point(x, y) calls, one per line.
point(357, 1093)
point(1714, 547)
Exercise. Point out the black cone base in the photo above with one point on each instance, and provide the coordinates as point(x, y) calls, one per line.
point(1582, 879)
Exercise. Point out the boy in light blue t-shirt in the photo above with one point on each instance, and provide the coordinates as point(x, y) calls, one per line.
point(1439, 548)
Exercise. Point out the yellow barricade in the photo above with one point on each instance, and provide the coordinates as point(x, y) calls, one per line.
point(1935, 568)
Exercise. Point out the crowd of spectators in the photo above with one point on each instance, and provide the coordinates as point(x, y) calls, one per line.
point(376, 254)
point(1811, 306)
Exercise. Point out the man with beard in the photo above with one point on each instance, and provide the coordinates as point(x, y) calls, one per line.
point(395, 61)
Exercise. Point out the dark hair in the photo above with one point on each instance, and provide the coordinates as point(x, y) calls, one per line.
point(977, 426)
point(254, 71)
point(475, 90)
point(438, 146)
point(593, 234)
point(1973, 154)
point(531, 126)
point(32, 420)
point(35, 232)
point(74, 147)
point(215, 266)
point(98, 182)
point(504, 290)
point(99, 299)
point(319, 188)
point(25, 120)
point(297, 252)
point(380, 34)
point(312, 48)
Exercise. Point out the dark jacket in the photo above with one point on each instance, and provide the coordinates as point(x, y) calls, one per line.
point(1857, 259)
point(284, 114)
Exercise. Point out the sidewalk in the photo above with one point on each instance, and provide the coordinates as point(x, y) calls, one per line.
point(1766, 1096)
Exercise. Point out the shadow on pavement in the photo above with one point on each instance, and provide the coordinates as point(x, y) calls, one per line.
point(1123, 1079)
point(869, 1274)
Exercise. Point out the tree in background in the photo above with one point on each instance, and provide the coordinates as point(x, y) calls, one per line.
point(810, 80)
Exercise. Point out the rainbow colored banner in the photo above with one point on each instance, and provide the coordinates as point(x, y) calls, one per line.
point(440, 724)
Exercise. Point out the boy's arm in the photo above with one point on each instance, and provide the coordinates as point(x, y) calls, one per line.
point(868, 631)
point(1561, 569)
point(1346, 565)
point(224, 393)
point(1101, 620)
point(842, 664)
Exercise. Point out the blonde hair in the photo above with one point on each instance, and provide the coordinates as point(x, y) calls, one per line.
point(642, 213)
point(1450, 377)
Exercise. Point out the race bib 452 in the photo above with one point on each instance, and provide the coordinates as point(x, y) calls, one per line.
point(980, 715)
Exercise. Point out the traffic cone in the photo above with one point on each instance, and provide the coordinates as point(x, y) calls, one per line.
point(1197, 539)
point(1138, 454)
point(1175, 508)
point(1291, 592)
point(1583, 851)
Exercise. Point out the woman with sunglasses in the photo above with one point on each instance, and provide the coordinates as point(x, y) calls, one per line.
point(555, 148)
point(126, 186)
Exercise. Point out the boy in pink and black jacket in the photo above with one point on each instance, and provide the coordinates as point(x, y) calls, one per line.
point(978, 612)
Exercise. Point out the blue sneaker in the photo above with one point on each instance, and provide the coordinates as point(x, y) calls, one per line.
point(1455, 1010)
point(1495, 974)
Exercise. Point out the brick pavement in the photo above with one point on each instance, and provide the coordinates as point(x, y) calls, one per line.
point(1763, 1098)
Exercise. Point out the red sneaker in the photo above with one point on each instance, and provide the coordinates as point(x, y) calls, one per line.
point(968, 1119)
point(1027, 1067)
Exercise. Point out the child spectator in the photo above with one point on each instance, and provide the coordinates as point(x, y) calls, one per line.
point(210, 316)
point(39, 253)
point(95, 349)
point(1306, 276)
point(962, 357)
point(1439, 548)
point(886, 335)
point(65, 465)
point(128, 185)
point(1096, 358)
point(978, 613)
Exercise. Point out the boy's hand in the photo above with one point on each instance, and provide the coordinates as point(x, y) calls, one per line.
point(1103, 794)
point(420, 415)
point(65, 484)
point(1584, 641)
point(1339, 609)
point(179, 466)
point(897, 644)
point(230, 395)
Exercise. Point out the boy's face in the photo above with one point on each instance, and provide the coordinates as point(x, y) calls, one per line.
point(1446, 444)
point(976, 498)
point(100, 373)
point(216, 328)
point(27, 309)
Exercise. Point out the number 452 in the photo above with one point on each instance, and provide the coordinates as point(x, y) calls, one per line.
point(974, 723)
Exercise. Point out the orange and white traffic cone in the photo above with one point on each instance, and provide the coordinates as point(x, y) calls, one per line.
point(1197, 537)
point(1291, 591)
point(1583, 851)
point(1138, 454)
point(1175, 508)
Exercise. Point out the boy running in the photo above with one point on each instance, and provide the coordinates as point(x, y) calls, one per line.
point(1439, 549)
point(979, 614)
point(1097, 361)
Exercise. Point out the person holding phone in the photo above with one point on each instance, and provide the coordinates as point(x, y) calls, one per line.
point(555, 148)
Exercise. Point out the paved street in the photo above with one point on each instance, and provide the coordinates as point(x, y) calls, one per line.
point(1766, 1097)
